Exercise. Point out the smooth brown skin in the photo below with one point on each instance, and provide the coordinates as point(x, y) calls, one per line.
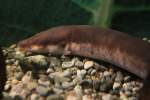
point(2, 72)
point(115, 47)
point(127, 52)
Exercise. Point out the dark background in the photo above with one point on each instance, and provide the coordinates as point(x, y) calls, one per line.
point(20, 19)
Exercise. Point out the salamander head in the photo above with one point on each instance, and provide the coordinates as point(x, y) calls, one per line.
point(52, 41)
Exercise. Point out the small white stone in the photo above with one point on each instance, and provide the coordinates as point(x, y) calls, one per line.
point(81, 74)
point(44, 83)
point(127, 86)
point(68, 64)
point(88, 64)
point(49, 70)
point(79, 63)
point(116, 85)
point(7, 87)
point(67, 73)
point(107, 73)
point(38, 59)
point(107, 97)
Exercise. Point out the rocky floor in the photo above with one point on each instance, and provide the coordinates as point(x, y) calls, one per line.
point(45, 77)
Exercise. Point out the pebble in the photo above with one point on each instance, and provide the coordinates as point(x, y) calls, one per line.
point(135, 89)
point(93, 72)
point(67, 73)
point(44, 80)
point(58, 77)
point(79, 64)
point(10, 61)
point(14, 81)
point(58, 91)
point(49, 70)
point(19, 55)
point(7, 87)
point(72, 95)
point(81, 74)
point(99, 67)
point(68, 64)
point(78, 90)
point(64, 78)
point(89, 70)
point(87, 91)
point(44, 83)
point(68, 85)
point(116, 85)
point(16, 63)
point(34, 96)
point(54, 97)
point(32, 85)
point(127, 78)
point(107, 73)
point(19, 75)
point(119, 77)
point(75, 94)
point(54, 62)
point(127, 86)
point(107, 97)
point(88, 64)
point(41, 90)
point(39, 60)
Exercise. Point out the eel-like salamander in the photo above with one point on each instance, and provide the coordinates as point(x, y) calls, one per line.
point(129, 53)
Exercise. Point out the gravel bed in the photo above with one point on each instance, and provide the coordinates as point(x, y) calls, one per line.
point(45, 77)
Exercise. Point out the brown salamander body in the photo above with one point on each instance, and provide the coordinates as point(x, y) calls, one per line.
point(127, 52)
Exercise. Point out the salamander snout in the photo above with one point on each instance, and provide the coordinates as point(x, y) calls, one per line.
point(27, 46)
